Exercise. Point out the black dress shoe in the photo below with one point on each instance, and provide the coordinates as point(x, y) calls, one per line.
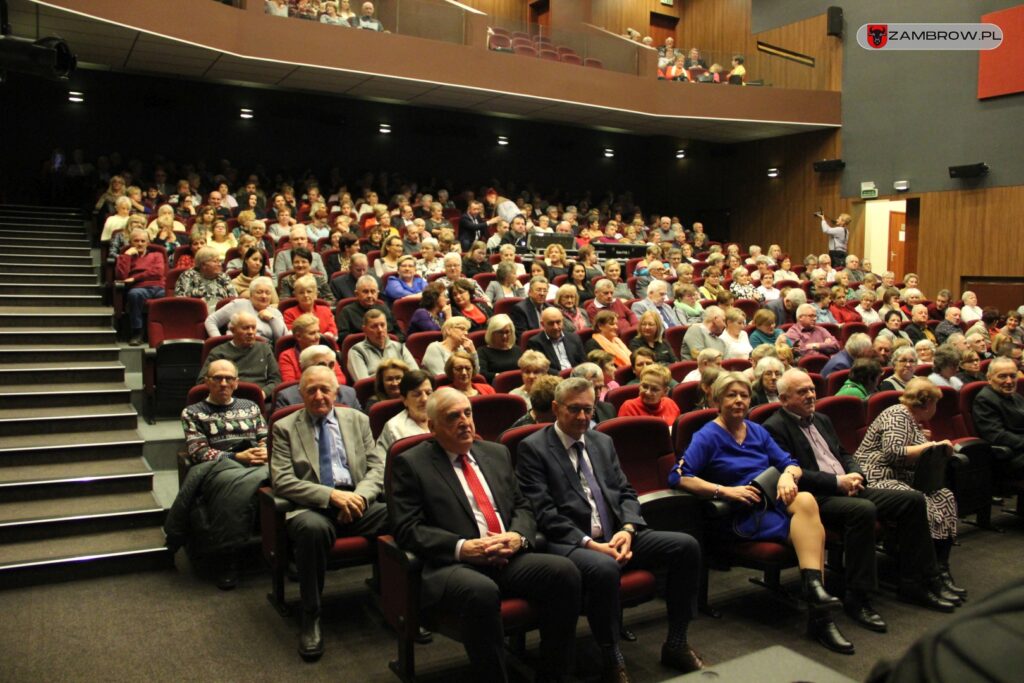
point(683, 659)
point(861, 611)
point(423, 636)
point(825, 631)
point(917, 594)
point(311, 640)
point(947, 581)
point(938, 587)
point(627, 635)
point(615, 674)
point(818, 599)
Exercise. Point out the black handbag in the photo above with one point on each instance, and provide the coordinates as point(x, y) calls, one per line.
point(767, 485)
point(930, 470)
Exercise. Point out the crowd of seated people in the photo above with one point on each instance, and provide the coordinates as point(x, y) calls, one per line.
point(331, 12)
point(698, 334)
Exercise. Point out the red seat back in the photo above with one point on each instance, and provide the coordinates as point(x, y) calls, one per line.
point(967, 394)
point(686, 395)
point(402, 310)
point(686, 426)
point(175, 318)
point(681, 369)
point(417, 343)
point(762, 412)
point(736, 364)
point(620, 395)
point(381, 412)
point(813, 362)
point(674, 337)
point(494, 413)
point(850, 329)
point(947, 422)
point(506, 381)
point(505, 305)
point(640, 443)
point(848, 417)
point(364, 389)
point(835, 381)
point(878, 402)
point(172, 279)
point(274, 417)
point(510, 438)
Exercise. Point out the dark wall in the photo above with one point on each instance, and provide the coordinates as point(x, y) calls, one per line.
point(144, 118)
point(912, 114)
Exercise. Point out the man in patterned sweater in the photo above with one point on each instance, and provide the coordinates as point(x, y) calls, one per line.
point(206, 281)
point(226, 446)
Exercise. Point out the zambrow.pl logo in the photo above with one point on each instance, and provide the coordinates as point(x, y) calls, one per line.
point(881, 36)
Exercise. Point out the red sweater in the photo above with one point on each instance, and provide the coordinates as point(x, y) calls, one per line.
point(667, 410)
point(322, 313)
point(148, 270)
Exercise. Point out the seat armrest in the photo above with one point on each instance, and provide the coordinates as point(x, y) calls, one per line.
point(400, 576)
point(671, 510)
point(274, 502)
point(272, 527)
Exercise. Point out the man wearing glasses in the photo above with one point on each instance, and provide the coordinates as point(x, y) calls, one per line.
point(225, 439)
point(590, 514)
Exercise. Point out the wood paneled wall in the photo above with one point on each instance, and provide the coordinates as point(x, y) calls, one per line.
point(722, 28)
point(962, 233)
point(512, 9)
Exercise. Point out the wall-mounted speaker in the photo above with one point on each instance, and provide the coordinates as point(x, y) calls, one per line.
point(835, 21)
point(968, 171)
point(827, 165)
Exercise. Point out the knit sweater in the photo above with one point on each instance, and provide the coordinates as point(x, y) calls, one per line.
point(147, 270)
point(255, 364)
point(214, 431)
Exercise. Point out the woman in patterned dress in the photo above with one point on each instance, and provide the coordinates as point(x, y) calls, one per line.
point(889, 452)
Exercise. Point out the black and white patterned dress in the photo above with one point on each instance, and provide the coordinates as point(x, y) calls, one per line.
point(883, 456)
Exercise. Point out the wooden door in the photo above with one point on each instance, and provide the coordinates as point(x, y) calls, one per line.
point(663, 26)
point(540, 14)
point(897, 243)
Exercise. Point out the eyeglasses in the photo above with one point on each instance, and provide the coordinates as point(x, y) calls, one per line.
point(219, 379)
point(586, 410)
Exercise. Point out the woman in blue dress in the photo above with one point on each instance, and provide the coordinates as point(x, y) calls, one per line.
point(723, 459)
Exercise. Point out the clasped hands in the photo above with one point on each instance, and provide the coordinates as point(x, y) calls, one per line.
point(351, 506)
point(493, 550)
point(253, 457)
point(619, 548)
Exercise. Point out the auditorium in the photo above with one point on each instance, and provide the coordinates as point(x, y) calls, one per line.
point(511, 340)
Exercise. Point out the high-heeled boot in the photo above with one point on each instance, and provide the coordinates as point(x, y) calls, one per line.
point(814, 591)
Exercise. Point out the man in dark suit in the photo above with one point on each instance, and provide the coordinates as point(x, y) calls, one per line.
point(590, 514)
point(846, 501)
point(998, 413)
point(563, 349)
point(526, 313)
point(323, 461)
point(344, 286)
point(455, 502)
point(472, 226)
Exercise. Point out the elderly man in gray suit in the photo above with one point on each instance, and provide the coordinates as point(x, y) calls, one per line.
point(323, 461)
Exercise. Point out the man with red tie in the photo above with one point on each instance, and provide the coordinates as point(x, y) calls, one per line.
point(455, 502)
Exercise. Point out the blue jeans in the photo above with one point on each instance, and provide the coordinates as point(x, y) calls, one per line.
point(136, 305)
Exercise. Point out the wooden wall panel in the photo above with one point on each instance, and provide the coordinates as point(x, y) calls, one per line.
point(513, 9)
point(808, 37)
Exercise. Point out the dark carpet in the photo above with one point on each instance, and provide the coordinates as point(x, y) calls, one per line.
point(176, 626)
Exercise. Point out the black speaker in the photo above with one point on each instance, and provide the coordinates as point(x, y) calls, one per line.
point(826, 165)
point(968, 171)
point(835, 21)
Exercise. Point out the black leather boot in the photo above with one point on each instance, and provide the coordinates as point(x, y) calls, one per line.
point(311, 640)
point(947, 581)
point(822, 629)
point(814, 591)
point(913, 592)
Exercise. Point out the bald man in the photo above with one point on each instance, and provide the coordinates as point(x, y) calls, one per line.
point(563, 349)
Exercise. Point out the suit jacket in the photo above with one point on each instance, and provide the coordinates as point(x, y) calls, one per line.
point(295, 459)
point(784, 429)
point(998, 419)
point(525, 316)
point(573, 349)
point(778, 307)
point(644, 305)
point(604, 411)
point(429, 511)
point(344, 286)
point(553, 487)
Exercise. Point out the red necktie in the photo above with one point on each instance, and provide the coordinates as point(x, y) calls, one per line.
point(482, 501)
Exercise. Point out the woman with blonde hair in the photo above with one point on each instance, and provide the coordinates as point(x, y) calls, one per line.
point(651, 335)
point(454, 337)
point(533, 364)
point(574, 318)
point(556, 261)
point(500, 351)
point(221, 238)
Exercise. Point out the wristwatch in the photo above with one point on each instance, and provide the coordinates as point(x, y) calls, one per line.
point(629, 529)
point(524, 545)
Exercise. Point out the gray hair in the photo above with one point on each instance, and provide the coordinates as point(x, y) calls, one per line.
point(858, 344)
point(796, 296)
point(787, 379)
point(911, 290)
point(925, 344)
point(499, 322)
point(955, 337)
point(768, 363)
point(204, 255)
point(572, 386)
point(314, 351)
point(442, 397)
point(261, 280)
point(603, 284)
point(236, 319)
point(359, 257)
point(654, 285)
point(903, 352)
point(999, 360)
point(367, 280)
point(804, 308)
point(308, 373)
point(587, 371)
point(452, 257)
point(945, 359)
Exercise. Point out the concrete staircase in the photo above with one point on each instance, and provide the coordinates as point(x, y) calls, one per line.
point(75, 492)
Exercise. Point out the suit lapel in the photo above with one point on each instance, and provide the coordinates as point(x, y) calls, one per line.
point(559, 453)
point(447, 472)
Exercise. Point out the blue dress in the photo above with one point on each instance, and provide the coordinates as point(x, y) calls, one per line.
point(713, 455)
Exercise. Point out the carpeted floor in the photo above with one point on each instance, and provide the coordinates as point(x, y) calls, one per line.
point(175, 626)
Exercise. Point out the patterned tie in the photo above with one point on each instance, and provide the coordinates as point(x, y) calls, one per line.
point(584, 469)
point(667, 321)
point(482, 501)
point(324, 446)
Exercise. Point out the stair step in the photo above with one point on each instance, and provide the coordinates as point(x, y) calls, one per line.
point(54, 255)
point(50, 395)
point(54, 337)
point(62, 559)
point(38, 519)
point(73, 238)
point(54, 291)
point(56, 316)
point(69, 226)
point(88, 371)
point(62, 480)
point(42, 247)
point(42, 449)
point(48, 278)
point(8, 265)
point(41, 239)
point(48, 300)
point(35, 353)
point(47, 420)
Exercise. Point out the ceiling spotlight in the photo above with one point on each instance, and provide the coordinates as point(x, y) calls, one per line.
point(385, 128)
point(245, 113)
point(76, 96)
point(502, 140)
point(609, 152)
point(680, 154)
point(773, 172)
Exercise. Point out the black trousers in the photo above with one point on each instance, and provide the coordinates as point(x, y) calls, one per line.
point(313, 533)
point(857, 514)
point(474, 593)
point(679, 552)
point(838, 258)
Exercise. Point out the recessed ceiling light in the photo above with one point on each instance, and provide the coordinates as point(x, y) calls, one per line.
point(502, 140)
point(76, 96)
point(245, 113)
point(773, 172)
point(385, 128)
point(680, 154)
point(609, 152)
